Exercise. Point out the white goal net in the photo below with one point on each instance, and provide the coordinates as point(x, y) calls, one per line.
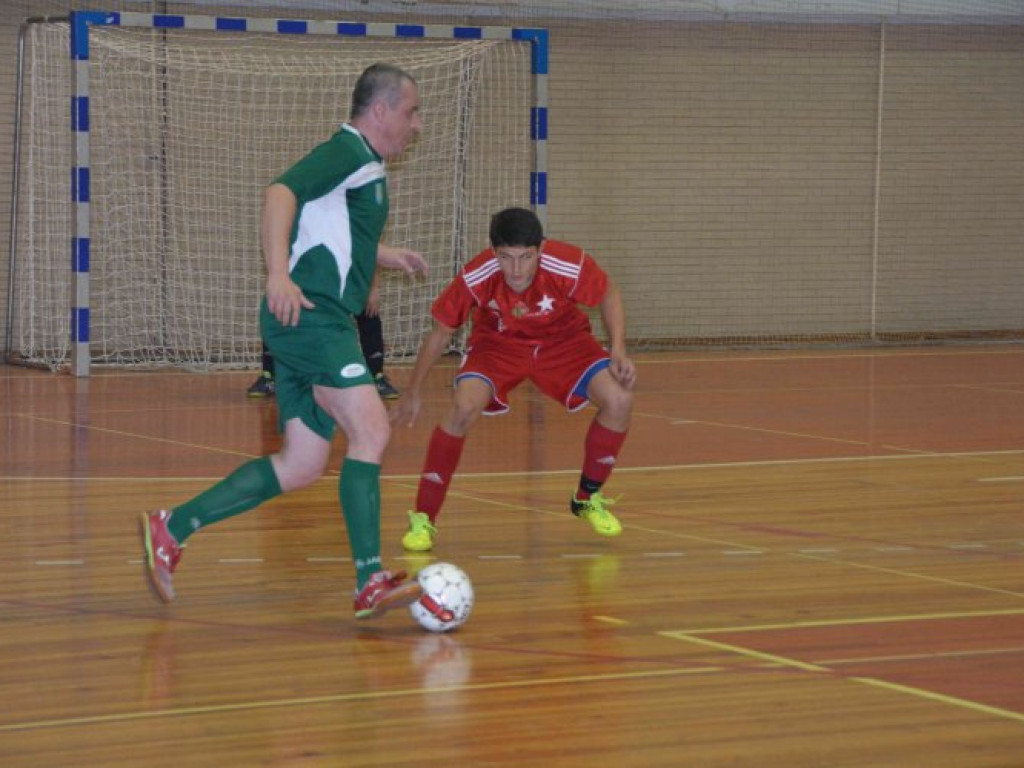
point(187, 128)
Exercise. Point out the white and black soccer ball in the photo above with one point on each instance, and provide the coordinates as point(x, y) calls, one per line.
point(447, 598)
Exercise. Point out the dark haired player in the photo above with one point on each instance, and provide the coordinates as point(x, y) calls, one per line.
point(522, 295)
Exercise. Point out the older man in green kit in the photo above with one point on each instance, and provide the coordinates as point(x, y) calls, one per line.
point(321, 227)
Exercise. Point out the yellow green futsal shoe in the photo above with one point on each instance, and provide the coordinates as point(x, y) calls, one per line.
point(420, 536)
point(594, 511)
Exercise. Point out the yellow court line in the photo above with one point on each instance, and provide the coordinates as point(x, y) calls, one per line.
point(909, 574)
point(847, 622)
point(922, 656)
point(771, 658)
point(942, 698)
point(347, 697)
point(871, 681)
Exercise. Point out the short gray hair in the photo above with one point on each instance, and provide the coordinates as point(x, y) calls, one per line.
point(378, 81)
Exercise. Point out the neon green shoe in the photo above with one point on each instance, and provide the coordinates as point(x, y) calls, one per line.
point(594, 512)
point(420, 536)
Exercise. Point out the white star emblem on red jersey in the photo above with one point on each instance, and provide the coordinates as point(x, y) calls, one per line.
point(546, 304)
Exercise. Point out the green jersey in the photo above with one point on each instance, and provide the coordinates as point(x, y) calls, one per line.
point(342, 193)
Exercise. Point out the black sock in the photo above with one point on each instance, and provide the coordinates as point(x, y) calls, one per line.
point(588, 486)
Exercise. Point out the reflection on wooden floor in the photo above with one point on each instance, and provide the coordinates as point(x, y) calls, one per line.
point(823, 565)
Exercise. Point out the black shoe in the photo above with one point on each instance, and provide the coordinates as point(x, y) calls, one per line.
point(384, 387)
point(263, 387)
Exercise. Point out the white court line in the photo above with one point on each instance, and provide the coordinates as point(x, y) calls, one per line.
point(881, 354)
point(664, 554)
point(333, 478)
point(577, 555)
point(675, 358)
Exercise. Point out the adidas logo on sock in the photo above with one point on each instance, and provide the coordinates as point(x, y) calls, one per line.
point(609, 460)
point(433, 477)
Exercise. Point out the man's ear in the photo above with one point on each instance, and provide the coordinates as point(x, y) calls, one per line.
point(379, 109)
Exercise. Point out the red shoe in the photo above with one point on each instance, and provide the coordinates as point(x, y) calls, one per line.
point(385, 591)
point(162, 552)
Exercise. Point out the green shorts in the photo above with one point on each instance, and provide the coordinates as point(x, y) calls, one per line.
point(308, 354)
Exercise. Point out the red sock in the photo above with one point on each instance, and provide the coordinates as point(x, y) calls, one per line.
point(600, 449)
point(443, 456)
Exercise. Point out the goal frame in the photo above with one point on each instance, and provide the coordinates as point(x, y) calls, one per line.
point(82, 22)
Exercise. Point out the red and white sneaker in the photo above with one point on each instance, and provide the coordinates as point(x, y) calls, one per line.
point(385, 591)
point(162, 553)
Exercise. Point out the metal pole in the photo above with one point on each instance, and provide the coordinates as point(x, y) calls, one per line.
point(16, 174)
point(879, 108)
point(15, 168)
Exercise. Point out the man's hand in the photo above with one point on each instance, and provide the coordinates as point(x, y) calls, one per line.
point(285, 299)
point(405, 259)
point(623, 370)
point(406, 409)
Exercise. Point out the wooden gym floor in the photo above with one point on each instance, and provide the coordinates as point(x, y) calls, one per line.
point(822, 565)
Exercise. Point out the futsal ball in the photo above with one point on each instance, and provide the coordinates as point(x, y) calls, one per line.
point(447, 598)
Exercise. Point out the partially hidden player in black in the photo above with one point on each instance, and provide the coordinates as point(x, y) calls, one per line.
point(371, 339)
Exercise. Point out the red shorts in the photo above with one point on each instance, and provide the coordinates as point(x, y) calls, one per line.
point(562, 370)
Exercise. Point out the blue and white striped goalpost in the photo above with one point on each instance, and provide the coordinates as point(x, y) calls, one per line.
point(81, 24)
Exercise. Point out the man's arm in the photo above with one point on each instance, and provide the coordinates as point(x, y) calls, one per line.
point(405, 259)
point(284, 298)
point(613, 316)
point(434, 344)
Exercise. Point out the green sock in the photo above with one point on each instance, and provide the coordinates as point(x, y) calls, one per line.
point(248, 486)
point(359, 491)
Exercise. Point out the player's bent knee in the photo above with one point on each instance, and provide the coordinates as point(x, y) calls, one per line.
point(366, 445)
point(291, 477)
point(614, 413)
point(613, 399)
point(461, 419)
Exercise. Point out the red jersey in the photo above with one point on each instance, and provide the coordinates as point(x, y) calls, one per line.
point(546, 311)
